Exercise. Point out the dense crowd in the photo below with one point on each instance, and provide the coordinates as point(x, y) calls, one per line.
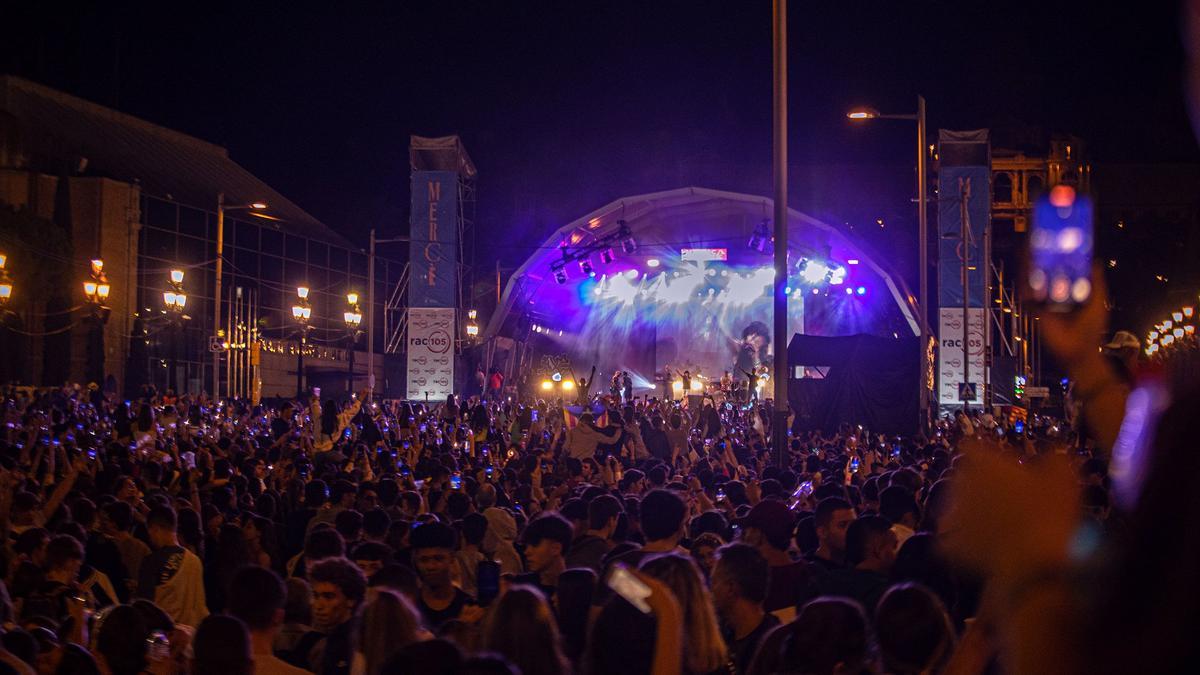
point(180, 534)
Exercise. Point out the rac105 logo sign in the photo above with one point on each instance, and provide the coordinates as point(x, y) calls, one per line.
point(437, 342)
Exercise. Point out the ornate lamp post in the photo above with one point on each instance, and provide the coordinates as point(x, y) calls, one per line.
point(96, 290)
point(6, 286)
point(301, 313)
point(353, 318)
point(176, 300)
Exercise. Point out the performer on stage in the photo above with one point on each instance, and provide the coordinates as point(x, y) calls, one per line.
point(686, 376)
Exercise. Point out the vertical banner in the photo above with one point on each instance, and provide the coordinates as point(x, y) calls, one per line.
point(964, 163)
point(430, 343)
point(433, 233)
point(950, 355)
point(964, 179)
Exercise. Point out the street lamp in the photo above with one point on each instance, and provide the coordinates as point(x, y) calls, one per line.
point(176, 300)
point(302, 313)
point(221, 209)
point(353, 318)
point(922, 234)
point(472, 326)
point(5, 281)
point(96, 290)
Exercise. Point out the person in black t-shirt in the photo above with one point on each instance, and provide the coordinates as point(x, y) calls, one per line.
point(53, 596)
point(547, 540)
point(832, 518)
point(440, 601)
point(338, 589)
point(739, 587)
point(768, 527)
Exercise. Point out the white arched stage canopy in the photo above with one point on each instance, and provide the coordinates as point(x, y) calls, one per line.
point(677, 277)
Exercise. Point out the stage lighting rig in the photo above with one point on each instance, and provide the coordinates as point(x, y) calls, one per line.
point(604, 246)
point(761, 239)
point(628, 243)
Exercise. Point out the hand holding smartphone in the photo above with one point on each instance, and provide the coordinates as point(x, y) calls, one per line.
point(629, 587)
point(1061, 243)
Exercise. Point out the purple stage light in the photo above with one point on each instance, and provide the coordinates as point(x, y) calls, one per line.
point(861, 290)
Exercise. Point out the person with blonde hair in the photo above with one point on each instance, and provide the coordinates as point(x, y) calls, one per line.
point(704, 649)
point(388, 623)
point(522, 628)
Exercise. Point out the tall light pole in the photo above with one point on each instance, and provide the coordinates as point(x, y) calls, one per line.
point(221, 209)
point(779, 445)
point(353, 318)
point(175, 300)
point(922, 236)
point(301, 312)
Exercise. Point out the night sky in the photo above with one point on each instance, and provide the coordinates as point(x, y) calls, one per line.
point(565, 106)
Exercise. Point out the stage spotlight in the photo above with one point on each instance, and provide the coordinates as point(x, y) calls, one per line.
point(652, 262)
point(560, 276)
point(568, 385)
point(628, 243)
point(631, 274)
point(547, 385)
point(852, 261)
point(557, 377)
point(861, 290)
point(849, 291)
point(585, 266)
point(607, 256)
point(814, 271)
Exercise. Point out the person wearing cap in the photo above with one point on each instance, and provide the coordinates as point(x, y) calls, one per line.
point(769, 527)
point(1122, 351)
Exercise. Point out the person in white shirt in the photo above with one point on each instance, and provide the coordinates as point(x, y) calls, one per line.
point(897, 504)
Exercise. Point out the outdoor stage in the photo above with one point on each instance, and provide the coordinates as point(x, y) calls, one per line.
point(683, 279)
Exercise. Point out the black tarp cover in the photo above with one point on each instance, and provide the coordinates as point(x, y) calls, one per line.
point(870, 381)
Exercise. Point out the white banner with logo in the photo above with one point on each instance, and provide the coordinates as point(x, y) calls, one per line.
point(950, 354)
point(430, 353)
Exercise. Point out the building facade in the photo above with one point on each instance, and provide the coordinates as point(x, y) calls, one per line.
point(144, 199)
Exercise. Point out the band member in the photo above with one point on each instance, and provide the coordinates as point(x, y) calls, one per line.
point(583, 388)
point(627, 385)
point(726, 382)
point(686, 376)
point(614, 386)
